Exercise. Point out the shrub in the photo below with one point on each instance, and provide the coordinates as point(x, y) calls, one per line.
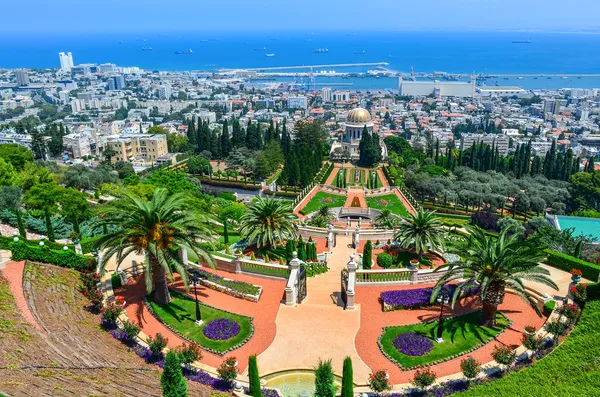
point(424, 378)
point(115, 281)
point(324, 386)
point(504, 355)
point(112, 311)
point(532, 342)
point(384, 260)
point(549, 307)
point(470, 367)
point(254, 389)
point(347, 381)
point(579, 293)
point(188, 353)
point(556, 327)
point(570, 311)
point(379, 381)
point(157, 344)
point(486, 220)
point(21, 251)
point(228, 370)
point(131, 329)
point(172, 382)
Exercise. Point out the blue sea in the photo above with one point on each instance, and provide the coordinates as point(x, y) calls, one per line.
point(453, 52)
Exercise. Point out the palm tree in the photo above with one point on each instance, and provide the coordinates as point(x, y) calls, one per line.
point(322, 217)
point(423, 231)
point(386, 219)
point(498, 265)
point(268, 221)
point(157, 228)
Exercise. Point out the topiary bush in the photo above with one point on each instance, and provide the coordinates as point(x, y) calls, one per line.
point(21, 251)
point(384, 260)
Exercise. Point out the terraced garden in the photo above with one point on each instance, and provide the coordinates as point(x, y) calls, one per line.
point(322, 198)
point(388, 201)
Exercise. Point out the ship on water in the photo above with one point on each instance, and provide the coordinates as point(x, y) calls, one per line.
point(184, 52)
point(146, 48)
point(522, 41)
point(269, 55)
point(360, 52)
point(322, 50)
point(123, 42)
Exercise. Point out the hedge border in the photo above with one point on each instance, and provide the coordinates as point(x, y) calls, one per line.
point(566, 262)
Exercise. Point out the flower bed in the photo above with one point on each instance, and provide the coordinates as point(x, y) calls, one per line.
point(221, 329)
point(184, 327)
point(462, 333)
point(413, 344)
point(239, 289)
point(418, 297)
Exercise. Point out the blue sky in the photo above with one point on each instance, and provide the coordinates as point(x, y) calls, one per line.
point(48, 16)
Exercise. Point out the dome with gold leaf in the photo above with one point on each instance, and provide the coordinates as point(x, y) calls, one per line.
point(358, 116)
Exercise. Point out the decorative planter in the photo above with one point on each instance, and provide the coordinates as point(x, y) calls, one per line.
point(576, 279)
point(529, 333)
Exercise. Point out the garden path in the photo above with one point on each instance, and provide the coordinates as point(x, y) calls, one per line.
point(333, 175)
point(405, 202)
point(319, 327)
point(384, 182)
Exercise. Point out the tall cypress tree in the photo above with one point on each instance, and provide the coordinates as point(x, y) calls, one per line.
point(191, 134)
point(368, 255)
point(450, 162)
point(225, 140)
point(237, 135)
point(254, 388)
point(347, 378)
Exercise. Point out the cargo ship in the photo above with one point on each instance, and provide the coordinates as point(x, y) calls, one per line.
point(146, 48)
point(184, 52)
point(269, 55)
point(321, 50)
point(521, 41)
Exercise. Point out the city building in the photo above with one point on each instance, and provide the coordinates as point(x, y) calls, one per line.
point(66, 61)
point(297, 102)
point(164, 92)
point(116, 82)
point(500, 91)
point(77, 145)
point(326, 94)
point(340, 96)
point(22, 77)
point(129, 147)
point(498, 141)
point(107, 67)
point(356, 121)
point(436, 88)
point(77, 105)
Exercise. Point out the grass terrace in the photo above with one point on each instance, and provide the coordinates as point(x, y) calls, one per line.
point(180, 314)
point(388, 201)
point(322, 198)
point(461, 334)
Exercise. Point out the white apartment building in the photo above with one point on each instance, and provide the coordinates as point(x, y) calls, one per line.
point(22, 77)
point(77, 105)
point(297, 102)
point(164, 92)
point(326, 94)
point(66, 60)
point(77, 145)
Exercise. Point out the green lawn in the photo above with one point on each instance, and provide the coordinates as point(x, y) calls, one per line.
point(320, 198)
point(393, 203)
point(460, 334)
point(180, 314)
point(570, 370)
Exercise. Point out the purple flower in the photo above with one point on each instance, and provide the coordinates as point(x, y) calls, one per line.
point(418, 297)
point(221, 329)
point(413, 344)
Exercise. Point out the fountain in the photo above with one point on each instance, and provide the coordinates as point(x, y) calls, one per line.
point(295, 383)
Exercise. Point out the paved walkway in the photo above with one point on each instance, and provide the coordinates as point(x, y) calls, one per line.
point(319, 327)
point(382, 178)
point(405, 202)
point(263, 313)
point(13, 272)
point(356, 193)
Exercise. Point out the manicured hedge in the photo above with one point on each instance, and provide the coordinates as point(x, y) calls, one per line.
point(570, 370)
point(22, 251)
point(567, 262)
point(87, 244)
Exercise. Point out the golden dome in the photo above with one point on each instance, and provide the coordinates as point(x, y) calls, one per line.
point(358, 115)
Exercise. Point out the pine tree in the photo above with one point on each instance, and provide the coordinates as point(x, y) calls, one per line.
point(20, 224)
point(289, 250)
point(437, 152)
point(450, 160)
point(277, 135)
point(172, 382)
point(191, 134)
point(549, 161)
point(237, 135)
point(254, 388)
point(347, 379)
point(368, 255)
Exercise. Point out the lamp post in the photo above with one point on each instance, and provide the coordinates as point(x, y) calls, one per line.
point(196, 280)
point(442, 299)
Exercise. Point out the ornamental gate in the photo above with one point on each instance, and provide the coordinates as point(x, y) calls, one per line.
point(301, 284)
point(344, 287)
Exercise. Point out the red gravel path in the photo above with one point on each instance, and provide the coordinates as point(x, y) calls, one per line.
point(263, 313)
point(372, 320)
point(405, 202)
point(384, 182)
point(13, 272)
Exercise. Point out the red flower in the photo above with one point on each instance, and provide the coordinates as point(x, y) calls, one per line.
point(575, 272)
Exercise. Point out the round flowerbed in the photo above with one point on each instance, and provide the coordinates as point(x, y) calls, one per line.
point(383, 202)
point(221, 329)
point(413, 344)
